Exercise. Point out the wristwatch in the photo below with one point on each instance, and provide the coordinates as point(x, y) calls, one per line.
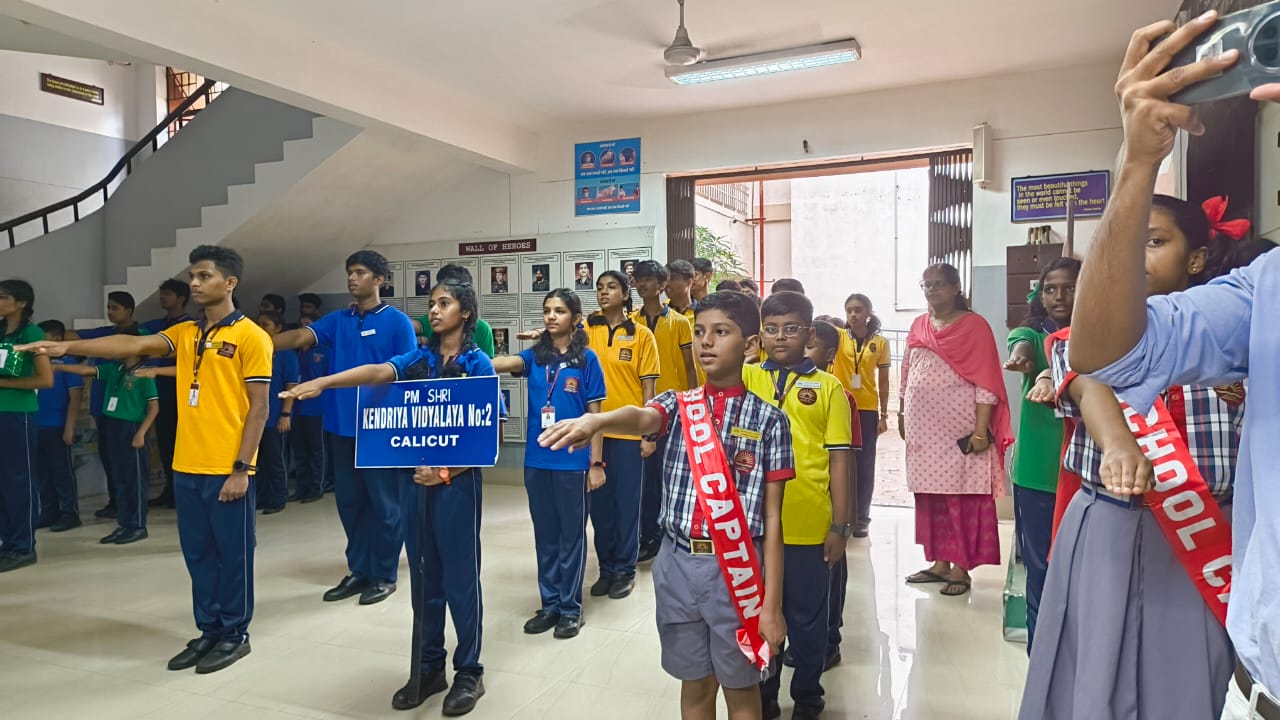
point(599, 464)
point(845, 531)
point(285, 414)
point(242, 466)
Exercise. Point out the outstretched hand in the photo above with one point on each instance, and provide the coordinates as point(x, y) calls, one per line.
point(302, 391)
point(574, 434)
point(48, 348)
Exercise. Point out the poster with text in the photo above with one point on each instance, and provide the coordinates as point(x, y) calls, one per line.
point(420, 277)
point(500, 286)
point(528, 324)
point(580, 272)
point(624, 260)
point(540, 273)
point(607, 177)
point(392, 285)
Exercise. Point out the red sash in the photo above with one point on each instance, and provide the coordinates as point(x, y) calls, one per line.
point(1188, 515)
point(726, 523)
point(1068, 482)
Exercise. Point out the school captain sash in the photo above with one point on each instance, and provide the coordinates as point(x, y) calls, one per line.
point(1187, 513)
point(726, 523)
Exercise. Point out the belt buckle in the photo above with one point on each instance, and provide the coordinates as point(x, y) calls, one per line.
point(701, 547)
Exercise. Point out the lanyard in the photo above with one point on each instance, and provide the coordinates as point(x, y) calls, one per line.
point(551, 379)
point(781, 396)
point(859, 350)
point(202, 345)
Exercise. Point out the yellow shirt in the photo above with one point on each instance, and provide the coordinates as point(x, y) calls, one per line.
point(858, 370)
point(627, 357)
point(674, 335)
point(690, 315)
point(815, 403)
point(235, 352)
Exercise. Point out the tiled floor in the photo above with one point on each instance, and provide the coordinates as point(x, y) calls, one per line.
point(86, 632)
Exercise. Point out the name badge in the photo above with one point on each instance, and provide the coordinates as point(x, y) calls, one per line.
point(367, 333)
point(213, 345)
point(193, 396)
point(811, 384)
point(855, 382)
point(626, 338)
point(548, 417)
point(112, 403)
point(745, 433)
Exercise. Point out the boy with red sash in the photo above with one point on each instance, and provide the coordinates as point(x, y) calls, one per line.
point(1131, 622)
point(719, 608)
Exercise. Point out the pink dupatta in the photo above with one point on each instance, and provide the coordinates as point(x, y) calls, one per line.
point(969, 347)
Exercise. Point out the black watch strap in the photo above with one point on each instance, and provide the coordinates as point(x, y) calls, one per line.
point(242, 466)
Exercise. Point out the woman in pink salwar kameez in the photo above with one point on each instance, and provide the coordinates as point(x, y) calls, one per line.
point(954, 416)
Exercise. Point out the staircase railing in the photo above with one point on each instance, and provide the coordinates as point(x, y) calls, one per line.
point(104, 186)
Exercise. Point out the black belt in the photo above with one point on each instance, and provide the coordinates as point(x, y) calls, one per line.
point(1267, 708)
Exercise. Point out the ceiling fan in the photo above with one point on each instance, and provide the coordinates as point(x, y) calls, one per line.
point(682, 51)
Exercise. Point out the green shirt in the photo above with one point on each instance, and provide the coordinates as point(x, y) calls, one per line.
point(1037, 456)
point(483, 336)
point(21, 401)
point(125, 396)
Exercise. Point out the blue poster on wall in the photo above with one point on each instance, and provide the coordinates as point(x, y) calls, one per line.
point(437, 423)
point(607, 177)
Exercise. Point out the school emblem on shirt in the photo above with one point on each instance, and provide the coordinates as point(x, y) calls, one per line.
point(624, 354)
point(1232, 395)
point(807, 396)
point(227, 350)
point(571, 385)
point(745, 461)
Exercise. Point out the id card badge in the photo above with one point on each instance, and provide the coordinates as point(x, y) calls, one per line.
point(855, 382)
point(548, 417)
point(112, 403)
point(193, 396)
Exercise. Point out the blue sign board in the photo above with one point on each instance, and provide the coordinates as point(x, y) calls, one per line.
point(607, 177)
point(1041, 198)
point(437, 423)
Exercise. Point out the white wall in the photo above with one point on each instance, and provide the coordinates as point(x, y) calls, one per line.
point(117, 117)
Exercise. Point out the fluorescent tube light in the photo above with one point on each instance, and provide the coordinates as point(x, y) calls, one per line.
point(767, 63)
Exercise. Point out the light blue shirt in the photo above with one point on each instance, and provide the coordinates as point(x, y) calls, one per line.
point(1207, 336)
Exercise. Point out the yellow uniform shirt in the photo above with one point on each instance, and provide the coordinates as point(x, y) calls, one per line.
point(858, 368)
point(674, 334)
point(628, 354)
point(815, 403)
point(231, 354)
point(690, 315)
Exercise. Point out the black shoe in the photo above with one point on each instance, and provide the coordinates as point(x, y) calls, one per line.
point(568, 627)
point(467, 689)
point(787, 659)
point(65, 523)
point(431, 682)
point(349, 587)
point(111, 538)
point(377, 592)
point(832, 660)
point(541, 622)
point(769, 710)
point(601, 586)
point(13, 561)
point(311, 499)
point(43, 523)
point(860, 530)
point(272, 510)
point(164, 501)
point(648, 551)
point(188, 658)
point(108, 511)
point(222, 656)
point(621, 586)
point(131, 536)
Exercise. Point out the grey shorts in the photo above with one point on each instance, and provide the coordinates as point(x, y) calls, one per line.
point(697, 623)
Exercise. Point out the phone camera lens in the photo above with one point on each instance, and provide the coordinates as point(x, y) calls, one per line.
point(1266, 43)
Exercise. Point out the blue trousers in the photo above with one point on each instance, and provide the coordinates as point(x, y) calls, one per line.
point(369, 507)
point(805, 580)
point(104, 457)
point(309, 454)
point(558, 506)
point(273, 473)
point(217, 541)
point(866, 459)
point(835, 604)
point(651, 497)
point(18, 495)
point(615, 508)
point(1033, 522)
point(130, 471)
point(442, 535)
point(58, 493)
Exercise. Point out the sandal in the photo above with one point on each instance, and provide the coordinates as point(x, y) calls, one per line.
point(947, 589)
point(924, 577)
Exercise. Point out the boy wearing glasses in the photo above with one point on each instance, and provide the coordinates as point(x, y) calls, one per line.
point(817, 508)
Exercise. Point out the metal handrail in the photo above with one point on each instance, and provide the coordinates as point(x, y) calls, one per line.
point(125, 164)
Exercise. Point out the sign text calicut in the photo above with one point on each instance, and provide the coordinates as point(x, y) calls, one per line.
point(437, 423)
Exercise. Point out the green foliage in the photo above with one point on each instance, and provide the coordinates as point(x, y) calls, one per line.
point(720, 252)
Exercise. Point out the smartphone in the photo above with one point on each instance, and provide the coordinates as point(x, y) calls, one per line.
point(964, 444)
point(1255, 32)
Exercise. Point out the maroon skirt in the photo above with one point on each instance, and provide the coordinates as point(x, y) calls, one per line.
point(959, 529)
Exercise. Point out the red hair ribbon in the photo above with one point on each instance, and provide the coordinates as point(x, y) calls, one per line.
point(1214, 209)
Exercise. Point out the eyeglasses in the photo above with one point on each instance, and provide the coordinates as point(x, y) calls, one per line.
point(785, 331)
point(936, 285)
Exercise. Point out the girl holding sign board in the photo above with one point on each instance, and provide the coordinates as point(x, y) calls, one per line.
point(565, 382)
point(443, 537)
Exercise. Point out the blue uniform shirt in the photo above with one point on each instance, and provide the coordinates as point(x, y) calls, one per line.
point(54, 401)
point(1210, 335)
point(356, 339)
point(284, 371)
point(157, 326)
point(312, 363)
point(424, 364)
point(576, 386)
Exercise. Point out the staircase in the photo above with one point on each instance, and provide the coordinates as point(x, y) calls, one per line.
point(237, 157)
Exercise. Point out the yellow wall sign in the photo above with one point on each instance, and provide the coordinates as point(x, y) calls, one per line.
point(72, 89)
